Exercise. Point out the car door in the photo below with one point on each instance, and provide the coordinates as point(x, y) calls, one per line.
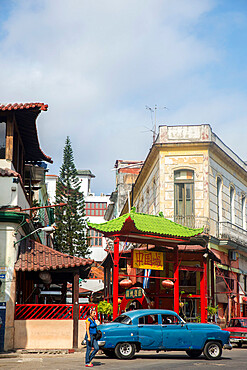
point(175, 334)
point(149, 332)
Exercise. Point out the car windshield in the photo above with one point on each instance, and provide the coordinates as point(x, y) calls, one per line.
point(238, 323)
point(123, 319)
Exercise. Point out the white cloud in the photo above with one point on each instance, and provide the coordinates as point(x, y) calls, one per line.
point(98, 63)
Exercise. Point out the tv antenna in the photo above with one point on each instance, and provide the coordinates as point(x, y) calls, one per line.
point(153, 111)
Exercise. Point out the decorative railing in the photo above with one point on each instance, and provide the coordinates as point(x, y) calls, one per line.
point(84, 310)
point(232, 232)
point(193, 222)
point(50, 311)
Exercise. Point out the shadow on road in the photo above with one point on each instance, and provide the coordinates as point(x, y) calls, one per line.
point(167, 356)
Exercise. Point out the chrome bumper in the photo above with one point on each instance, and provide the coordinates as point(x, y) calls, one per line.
point(101, 343)
point(227, 346)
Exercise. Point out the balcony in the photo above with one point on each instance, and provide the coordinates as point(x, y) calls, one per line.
point(232, 232)
point(193, 222)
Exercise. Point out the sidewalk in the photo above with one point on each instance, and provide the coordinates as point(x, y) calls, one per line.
point(23, 352)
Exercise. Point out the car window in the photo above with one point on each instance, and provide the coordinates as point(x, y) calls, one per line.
point(243, 323)
point(148, 320)
point(238, 323)
point(123, 319)
point(169, 319)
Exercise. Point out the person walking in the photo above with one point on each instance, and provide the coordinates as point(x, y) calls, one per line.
point(91, 331)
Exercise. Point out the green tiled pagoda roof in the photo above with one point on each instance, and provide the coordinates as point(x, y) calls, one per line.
point(147, 224)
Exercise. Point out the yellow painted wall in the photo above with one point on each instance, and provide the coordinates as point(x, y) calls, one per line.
point(46, 334)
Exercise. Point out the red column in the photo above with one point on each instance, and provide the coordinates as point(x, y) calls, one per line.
point(176, 282)
point(205, 271)
point(203, 292)
point(115, 278)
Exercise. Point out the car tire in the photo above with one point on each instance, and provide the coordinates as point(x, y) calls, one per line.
point(194, 353)
point(125, 350)
point(239, 344)
point(212, 350)
point(109, 353)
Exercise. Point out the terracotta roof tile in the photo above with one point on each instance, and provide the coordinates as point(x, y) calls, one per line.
point(16, 106)
point(97, 273)
point(38, 257)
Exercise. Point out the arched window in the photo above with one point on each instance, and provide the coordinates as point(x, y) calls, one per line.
point(232, 209)
point(184, 197)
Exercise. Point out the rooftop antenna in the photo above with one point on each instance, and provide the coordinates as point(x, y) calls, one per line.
point(153, 110)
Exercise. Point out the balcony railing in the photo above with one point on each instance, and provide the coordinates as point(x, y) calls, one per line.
point(193, 222)
point(232, 232)
point(51, 311)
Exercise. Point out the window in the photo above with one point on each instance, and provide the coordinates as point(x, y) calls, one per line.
point(187, 280)
point(148, 320)
point(154, 195)
point(184, 197)
point(95, 208)
point(95, 238)
point(123, 319)
point(243, 206)
point(219, 199)
point(169, 319)
point(232, 215)
point(2, 138)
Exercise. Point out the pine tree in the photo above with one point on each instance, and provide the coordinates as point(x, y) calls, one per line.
point(71, 232)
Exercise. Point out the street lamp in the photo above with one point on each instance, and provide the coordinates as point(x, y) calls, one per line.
point(47, 229)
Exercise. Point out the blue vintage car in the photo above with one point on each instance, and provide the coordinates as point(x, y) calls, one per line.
point(161, 330)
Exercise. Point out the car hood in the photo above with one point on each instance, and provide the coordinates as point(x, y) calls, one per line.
point(198, 326)
point(234, 329)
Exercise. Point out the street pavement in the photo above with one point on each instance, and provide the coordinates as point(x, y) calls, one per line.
point(234, 359)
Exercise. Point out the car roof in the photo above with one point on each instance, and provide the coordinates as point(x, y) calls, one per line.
point(239, 318)
point(136, 313)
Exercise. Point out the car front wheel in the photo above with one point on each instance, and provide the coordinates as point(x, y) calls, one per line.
point(212, 350)
point(194, 353)
point(125, 351)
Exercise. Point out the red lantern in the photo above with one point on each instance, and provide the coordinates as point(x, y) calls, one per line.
point(167, 284)
point(126, 283)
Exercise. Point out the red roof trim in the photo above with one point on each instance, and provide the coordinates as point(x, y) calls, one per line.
point(16, 106)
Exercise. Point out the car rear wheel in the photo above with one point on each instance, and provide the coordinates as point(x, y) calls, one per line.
point(109, 353)
point(239, 344)
point(194, 353)
point(212, 350)
point(125, 351)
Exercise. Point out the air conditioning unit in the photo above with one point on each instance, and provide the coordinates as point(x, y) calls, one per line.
point(232, 255)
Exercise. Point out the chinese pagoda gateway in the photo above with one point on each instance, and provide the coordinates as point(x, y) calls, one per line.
point(163, 252)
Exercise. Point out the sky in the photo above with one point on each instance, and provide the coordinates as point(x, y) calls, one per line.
point(99, 63)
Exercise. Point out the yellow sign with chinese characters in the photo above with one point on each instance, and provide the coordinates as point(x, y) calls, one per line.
point(148, 260)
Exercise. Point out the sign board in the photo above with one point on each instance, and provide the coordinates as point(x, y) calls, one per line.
point(133, 293)
point(2, 276)
point(148, 260)
point(3, 269)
